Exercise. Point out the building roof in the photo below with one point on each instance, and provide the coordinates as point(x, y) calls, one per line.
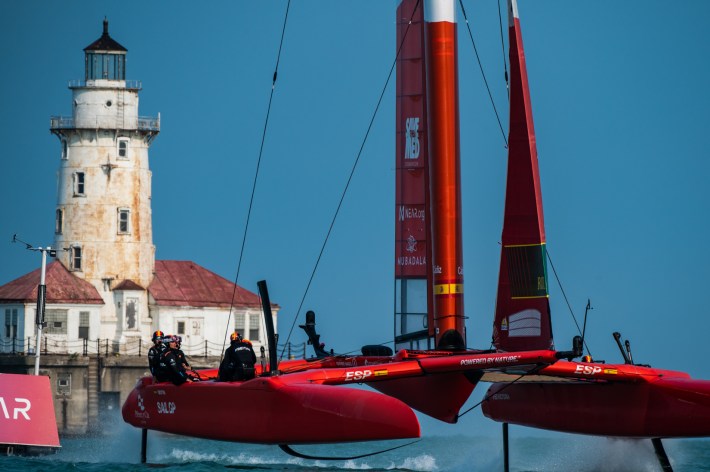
point(184, 283)
point(128, 284)
point(62, 287)
point(105, 42)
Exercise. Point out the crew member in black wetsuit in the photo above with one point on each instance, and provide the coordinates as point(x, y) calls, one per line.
point(154, 353)
point(239, 360)
point(181, 355)
point(171, 365)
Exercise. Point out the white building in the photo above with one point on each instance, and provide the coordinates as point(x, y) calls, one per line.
point(107, 291)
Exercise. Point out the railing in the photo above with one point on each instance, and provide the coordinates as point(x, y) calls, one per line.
point(130, 84)
point(143, 123)
point(132, 347)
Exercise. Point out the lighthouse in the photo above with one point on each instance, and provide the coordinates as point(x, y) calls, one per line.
point(103, 214)
point(106, 292)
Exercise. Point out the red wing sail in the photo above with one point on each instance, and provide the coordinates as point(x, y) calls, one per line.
point(413, 324)
point(522, 319)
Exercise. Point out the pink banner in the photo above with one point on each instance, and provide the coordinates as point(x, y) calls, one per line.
point(27, 411)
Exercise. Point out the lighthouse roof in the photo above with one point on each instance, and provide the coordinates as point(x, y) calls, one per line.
point(62, 287)
point(184, 283)
point(105, 42)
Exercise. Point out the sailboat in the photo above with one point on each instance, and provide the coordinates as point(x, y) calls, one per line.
point(620, 400)
point(303, 401)
point(307, 401)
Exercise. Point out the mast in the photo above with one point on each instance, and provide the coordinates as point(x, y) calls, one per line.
point(414, 324)
point(444, 166)
point(522, 319)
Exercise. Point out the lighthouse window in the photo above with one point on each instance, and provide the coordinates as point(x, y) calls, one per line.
point(65, 149)
point(78, 184)
point(56, 321)
point(239, 323)
point(131, 313)
point(11, 323)
point(84, 325)
point(254, 327)
point(59, 223)
point(76, 258)
point(124, 219)
point(123, 148)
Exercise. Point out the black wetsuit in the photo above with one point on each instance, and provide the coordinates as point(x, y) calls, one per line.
point(172, 367)
point(238, 362)
point(154, 354)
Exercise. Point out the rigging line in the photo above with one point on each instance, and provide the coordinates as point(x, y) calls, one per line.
point(256, 176)
point(502, 46)
point(489, 396)
point(352, 172)
point(483, 74)
point(559, 284)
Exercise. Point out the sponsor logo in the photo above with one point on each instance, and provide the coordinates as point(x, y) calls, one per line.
point(587, 369)
point(500, 396)
point(437, 269)
point(409, 213)
point(490, 360)
point(141, 406)
point(166, 408)
point(411, 244)
point(611, 371)
point(357, 375)
point(411, 260)
point(381, 373)
point(411, 150)
point(13, 406)
point(504, 324)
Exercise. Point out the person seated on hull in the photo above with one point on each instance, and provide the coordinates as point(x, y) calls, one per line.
point(171, 365)
point(182, 359)
point(155, 352)
point(239, 360)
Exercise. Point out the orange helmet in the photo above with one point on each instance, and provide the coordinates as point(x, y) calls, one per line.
point(157, 335)
point(235, 337)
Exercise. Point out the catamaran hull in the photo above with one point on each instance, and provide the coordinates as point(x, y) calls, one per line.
point(268, 410)
point(659, 409)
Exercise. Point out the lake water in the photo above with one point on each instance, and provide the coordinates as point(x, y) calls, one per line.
point(119, 450)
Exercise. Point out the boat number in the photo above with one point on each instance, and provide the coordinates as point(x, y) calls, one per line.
point(587, 369)
point(166, 408)
point(357, 375)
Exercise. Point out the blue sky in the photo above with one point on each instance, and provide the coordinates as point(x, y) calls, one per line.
point(620, 97)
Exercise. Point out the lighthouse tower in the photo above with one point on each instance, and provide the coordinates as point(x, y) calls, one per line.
point(103, 214)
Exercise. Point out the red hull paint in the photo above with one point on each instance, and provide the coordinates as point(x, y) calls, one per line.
point(27, 411)
point(444, 173)
point(418, 393)
point(665, 407)
point(304, 404)
point(274, 411)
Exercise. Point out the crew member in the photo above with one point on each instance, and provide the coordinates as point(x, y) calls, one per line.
point(181, 355)
point(154, 354)
point(170, 364)
point(239, 360)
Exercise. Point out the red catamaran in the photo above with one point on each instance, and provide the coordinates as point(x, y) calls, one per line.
point(299, 402)
point(304, 401)
point(621, 400)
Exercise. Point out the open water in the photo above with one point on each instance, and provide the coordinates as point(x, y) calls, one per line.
point(119, 450)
